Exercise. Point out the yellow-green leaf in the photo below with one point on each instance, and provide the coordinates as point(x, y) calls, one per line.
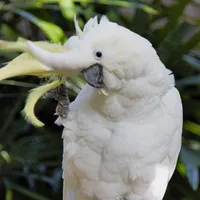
point(67, 8)
point(8, 32)
point(9, 194)
point(21, 46)
point(32, 99)
point(192, 127)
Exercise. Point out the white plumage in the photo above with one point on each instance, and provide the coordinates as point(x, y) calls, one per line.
point(121, 140)
point(133, 156)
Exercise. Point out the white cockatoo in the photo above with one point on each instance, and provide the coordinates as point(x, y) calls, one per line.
point(122, 136)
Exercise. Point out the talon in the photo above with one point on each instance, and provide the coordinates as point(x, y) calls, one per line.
point(60, 94)
point(51, 94)
point(62, 111)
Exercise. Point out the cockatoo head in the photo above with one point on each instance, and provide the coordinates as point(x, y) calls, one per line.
point(107, 54)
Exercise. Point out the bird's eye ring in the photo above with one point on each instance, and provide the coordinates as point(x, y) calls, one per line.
point(98, 54)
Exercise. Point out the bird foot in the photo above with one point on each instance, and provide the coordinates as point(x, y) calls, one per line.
point(60, 94)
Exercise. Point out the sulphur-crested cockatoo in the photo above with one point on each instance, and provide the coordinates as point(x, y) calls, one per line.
point(122, 135)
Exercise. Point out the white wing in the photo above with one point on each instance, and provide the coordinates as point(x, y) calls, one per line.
point(165, 169)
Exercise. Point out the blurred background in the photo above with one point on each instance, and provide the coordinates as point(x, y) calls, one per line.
point(30, 158)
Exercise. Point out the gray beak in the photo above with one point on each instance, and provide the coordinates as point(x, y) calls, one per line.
point(94, 75)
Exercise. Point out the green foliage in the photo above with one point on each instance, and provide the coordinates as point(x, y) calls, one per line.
point(52, 31)
point(30, 159)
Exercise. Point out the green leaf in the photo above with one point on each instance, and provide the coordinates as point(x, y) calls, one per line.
point(171, 46)
point(181, 168)
point(193, 62)
point(141, 28)
point(5, 155)
point(23, 4)
point(8, 32)
point(9, 194)
point(39, 177)
point(174, 15)
point(191, 80)
point(191, 159)
point(26, 192)
point(52, 31)
point(31, 150)
point(192, 127)
point(122, 3)
point(67, 8)
point(34, 1)
point(18, 83)
point(191, 43)
point(193, 175)
point(190, 156)
point(10, 118)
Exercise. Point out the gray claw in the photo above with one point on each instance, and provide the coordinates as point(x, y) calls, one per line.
point(60, 94)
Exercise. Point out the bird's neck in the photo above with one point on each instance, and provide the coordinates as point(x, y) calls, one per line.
point(116, 106)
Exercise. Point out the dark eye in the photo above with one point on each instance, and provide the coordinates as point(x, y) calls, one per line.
point(98, 54)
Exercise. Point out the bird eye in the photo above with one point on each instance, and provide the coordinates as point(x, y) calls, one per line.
point(98, 54)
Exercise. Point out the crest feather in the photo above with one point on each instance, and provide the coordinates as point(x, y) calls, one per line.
point(79, 32)
point(91, 23)
point(104, 19)
point(88, 25)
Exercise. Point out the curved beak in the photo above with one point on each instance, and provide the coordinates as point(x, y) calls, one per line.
point(72, 61)
point(64, 63)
